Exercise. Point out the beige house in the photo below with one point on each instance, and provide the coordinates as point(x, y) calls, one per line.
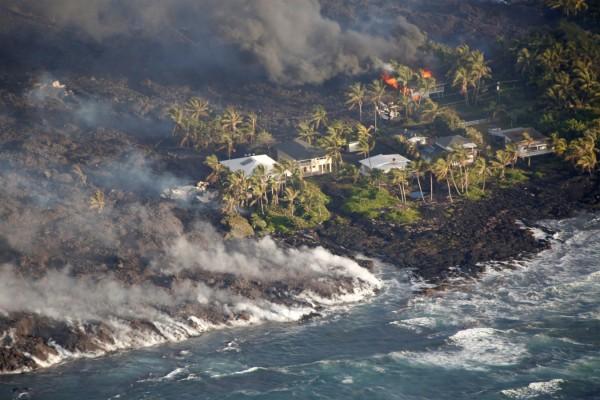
point(529, 141)
point(312, 160)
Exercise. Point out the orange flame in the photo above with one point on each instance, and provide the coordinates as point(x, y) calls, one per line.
point(426, 74)
point(389, 80)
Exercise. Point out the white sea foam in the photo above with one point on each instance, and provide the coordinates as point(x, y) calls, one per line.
point(474, 348)
point(417, 324)
point(534, 390)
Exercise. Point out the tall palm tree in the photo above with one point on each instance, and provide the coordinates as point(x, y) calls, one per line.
point(216, 167)
point(417, 168)
point(441, 169)
point(527, 142)
point(512, 152)
point(503, 158)
point(479, 69)
point(291, 195)
point(333, 144)
point(482, 169)
point(250, 127)
point(363, 132)
point(231, 120)
point(318, 117)
point(405, 74)
point(197, 108)
point(177, 115)
point(375, 94)
point(355, 97)
point(306, 132)
point(365, 146)
point(97, 200)
point(558, 144)
point(399, 178)
point(462, 81)
point(525, 61)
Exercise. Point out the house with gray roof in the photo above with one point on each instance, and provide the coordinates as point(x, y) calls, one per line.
point(449, 144)
point(529, 141)
point(312, 160)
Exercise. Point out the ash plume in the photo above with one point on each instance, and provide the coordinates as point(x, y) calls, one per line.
point(290, 40)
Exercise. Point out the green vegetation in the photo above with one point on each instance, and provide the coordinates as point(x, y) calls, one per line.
point(369, 202)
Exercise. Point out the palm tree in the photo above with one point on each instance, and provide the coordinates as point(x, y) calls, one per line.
point(527, 142)
point(559, 144)
point(479, 70)
point(482, 169)
point(227, 142)
point(306, 132)
point(428, 167)
point(503, 158)
point(582, 152)
point(417, 168)
point(318, 117)
point(462, 80)
point(97, 200)
point(231, 121)
point(399, 178)
point(291, 195)
point(376, 93)
point(363, 132)
point(250, 127)
point(405, 74)
point(561, 91)
point(216, 167)
point(197, 108)
point(512, 152)
point(355, 97)
point(568, 7)
point(586, 79)
point(260, 187)
point(441, 169)
point(177, 115)
point(587, 162)
point(525, 61)
point(365, 146)
point(333, 144)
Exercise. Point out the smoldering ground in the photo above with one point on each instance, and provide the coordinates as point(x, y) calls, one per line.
point(289, 41)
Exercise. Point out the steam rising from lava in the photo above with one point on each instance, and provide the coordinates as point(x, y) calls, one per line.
point(292, 41)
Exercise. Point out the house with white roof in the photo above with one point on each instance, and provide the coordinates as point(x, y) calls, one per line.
point(383, 162)
point(248, 164)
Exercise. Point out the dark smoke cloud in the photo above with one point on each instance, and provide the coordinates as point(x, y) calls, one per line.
point(292, 41)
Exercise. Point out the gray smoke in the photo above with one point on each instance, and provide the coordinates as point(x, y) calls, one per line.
point(292, 41)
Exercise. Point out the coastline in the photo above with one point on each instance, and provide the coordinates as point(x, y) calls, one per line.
point(444, 244)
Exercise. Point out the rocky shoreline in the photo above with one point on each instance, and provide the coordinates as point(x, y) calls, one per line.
point(456, 239)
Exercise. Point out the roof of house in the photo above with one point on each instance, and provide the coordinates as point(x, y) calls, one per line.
point(385, 162)
point(300, 150)
point(516, 134)
point(449, 142)
point(248, 164)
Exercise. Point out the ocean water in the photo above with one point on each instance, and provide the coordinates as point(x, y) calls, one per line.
point(528, 330)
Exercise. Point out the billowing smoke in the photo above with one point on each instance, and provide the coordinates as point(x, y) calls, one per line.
point(292, 41)
point(261, 259)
